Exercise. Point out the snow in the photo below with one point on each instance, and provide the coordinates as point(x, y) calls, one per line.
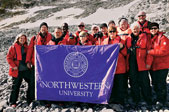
point(68, 15)
point(30, 12)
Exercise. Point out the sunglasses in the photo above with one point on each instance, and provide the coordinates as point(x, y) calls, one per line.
point(153, 28)
point(141, 15)
point(112, 31)
point(81, 26)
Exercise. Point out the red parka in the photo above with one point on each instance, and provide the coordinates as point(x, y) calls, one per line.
point(121, 63)
point(36, 40)
point(160, 52)
point(145, 27)
point(70, 39)
point(13, 57)
point(87, 43)
point(99, 41)
point(142, 57)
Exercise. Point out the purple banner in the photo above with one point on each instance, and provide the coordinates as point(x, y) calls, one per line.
point(75, 73)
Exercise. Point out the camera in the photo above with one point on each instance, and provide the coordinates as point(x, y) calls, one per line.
point(98, 35)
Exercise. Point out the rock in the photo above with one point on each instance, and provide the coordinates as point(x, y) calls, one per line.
point(65, 110)
point(108, 110)
point(9, 109)
point(72, 110)
point(3, 102)
point(78, 110)
point(90, 110)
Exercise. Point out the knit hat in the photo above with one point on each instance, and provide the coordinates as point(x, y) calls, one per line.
point(43, 23)
point(103, 25)
point(154, 24)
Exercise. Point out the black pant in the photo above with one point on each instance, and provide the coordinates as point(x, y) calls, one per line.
point(140, 83)
point(29, 78)
point(159, 84)
point(119, 89)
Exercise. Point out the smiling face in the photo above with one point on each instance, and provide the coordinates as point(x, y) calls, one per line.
point(43, 29)
point(95, 30)
point(22, 40)
point(112, 32)
point(141, 17)
point(136, 30)
point(104, 30)
point(58, 33)
point(154, 30)
point(123, 25)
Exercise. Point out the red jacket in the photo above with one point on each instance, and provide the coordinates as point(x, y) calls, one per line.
point(38, 40)
point(91, 38)
point(13, 57)
point(99, 41)
point(160, 52)
point(70, 40)
point(121, 63)
point(144, 27)
point(142, 57)
point(63, 42)
point(87, 43)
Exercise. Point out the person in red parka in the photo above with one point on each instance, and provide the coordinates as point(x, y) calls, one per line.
point(160, 65)
point(84, 39)
point(42, 38)
point(103, 34)
point(69, 37)
point(81, 27)
point(94, 31)
point(57, 39)
point(119, 85)
point(18, 69)
point(139, 62)
point(144, 24)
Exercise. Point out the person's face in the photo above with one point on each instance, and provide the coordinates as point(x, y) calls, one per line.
point(123, 25)
point(65, 28)
point(58, 33)
point(43, 29)
point(81, 27)
point(142, 18)
point(112, 34)
point(83, 39)
point(104, 30)
point(22, 40)
point(154, 30)
point(95, 30)
point(136, 30)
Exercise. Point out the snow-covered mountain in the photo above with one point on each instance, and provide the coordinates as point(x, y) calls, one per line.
point(96, 11)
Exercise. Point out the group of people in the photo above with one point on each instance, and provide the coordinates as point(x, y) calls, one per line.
point(144, 54)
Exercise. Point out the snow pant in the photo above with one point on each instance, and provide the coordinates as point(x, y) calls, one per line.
point(119, 89)
point(29, 78)
point(159, 84)
point(140, 83)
